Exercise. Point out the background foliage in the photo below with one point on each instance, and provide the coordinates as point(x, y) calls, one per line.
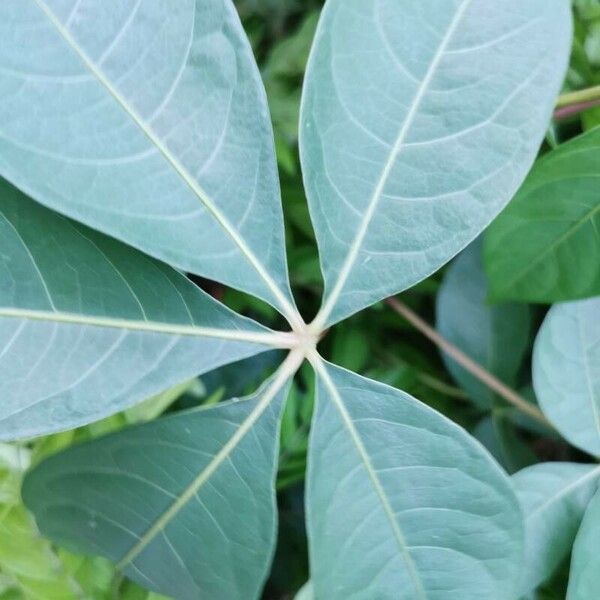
point(378, 343)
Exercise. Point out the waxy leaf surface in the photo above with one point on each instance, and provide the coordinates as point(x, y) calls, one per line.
point(419, 122)
point(545, 247)
point(402, 503)
point(495, 336)
point(89, 326)
point(554, 497)
point(185, 505)
point(566, 371)
point(146, 120)
point(584, 579)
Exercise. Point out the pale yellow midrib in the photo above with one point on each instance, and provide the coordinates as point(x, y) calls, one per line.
point(320, 368)
point(283, 374)
point(276, 339)
point(288, 310)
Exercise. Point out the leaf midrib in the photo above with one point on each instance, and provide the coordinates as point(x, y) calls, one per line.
point(172, 160)
point(278, 339)
point(283, 374)
point(420, 94)
point(321, 369)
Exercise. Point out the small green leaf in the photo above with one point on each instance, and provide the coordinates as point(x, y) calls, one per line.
point(553, 221)
point(402, 503)
point(185, 505)
point(89, 326)
point(496, 337)
point(566, 371)
point(584, 580)
point(554, 497)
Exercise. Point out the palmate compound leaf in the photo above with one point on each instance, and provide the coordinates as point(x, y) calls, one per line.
point(566, 371)
point(402, 503)
point(89, 326)
point(185, 505)
point(554, 497)
point(552, 224)
point(495, 336)
point(419, 122)
point(584, 579)
point(147, 120)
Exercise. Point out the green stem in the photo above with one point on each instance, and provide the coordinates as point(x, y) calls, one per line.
point(590, 94)
point(467, 363)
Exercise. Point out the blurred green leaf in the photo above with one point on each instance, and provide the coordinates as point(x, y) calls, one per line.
point(529, 248)
point(499, 435)
point(496, 337)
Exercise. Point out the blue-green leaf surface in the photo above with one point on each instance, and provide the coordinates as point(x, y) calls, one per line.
point(554, 497)
point(185, 505)
point(419, 122)
point(566, 371)
point(584, 579)
point(146, 120)
point(89, 326)
point(495, 336)
point(402, 503)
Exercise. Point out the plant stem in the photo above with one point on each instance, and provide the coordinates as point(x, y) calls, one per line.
point(467, 363)
point(571, 103)
point(573, 109)
point(590, 94)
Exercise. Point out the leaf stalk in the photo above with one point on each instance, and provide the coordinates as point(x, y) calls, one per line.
point(572, 103)
point(474, 368)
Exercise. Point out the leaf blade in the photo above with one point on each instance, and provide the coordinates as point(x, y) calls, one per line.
point(554, 216)
point(583, 578)
point(566, 371)
point(195, 457)
point(496, 337)
point(407, 562)
point(381, 158)
point(143, 152)
point(554, 497)
point(89, 326)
